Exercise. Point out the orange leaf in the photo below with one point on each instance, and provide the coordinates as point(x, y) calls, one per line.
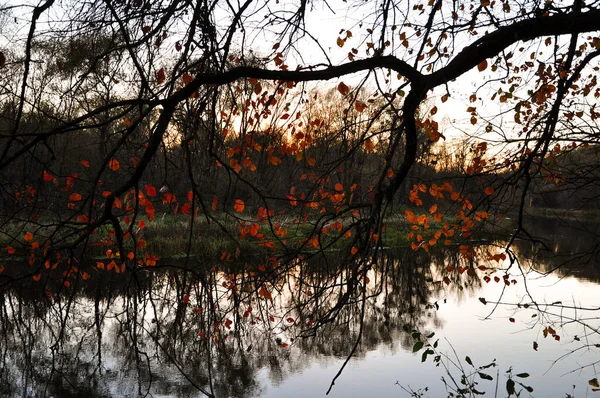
point(239, 205)
point(85, 276)
point(127, 122)
point(190, 196)
point(85, 163)
point(215, 202)
point(186, 208)
point(10, 250)
point(114, 164)
point(28, 237)
point(117, 204)
point(369, 146)
point(130, 255)
point(354, 250)
point(489, 190)
point(75, 197)
point(150, 190)
point(37, 277)
point(340, 42)
point(160, 76)
point(311, 161)
point(274, 160)
point(339, 187)
point(343, 89)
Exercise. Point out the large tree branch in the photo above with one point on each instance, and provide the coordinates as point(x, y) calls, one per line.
point(492, 44)
point(332, 72)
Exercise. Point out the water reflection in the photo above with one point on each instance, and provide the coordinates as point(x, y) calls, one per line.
point(185, 332)
point(565, 246)
point(217, 331)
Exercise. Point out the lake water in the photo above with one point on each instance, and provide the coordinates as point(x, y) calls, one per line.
point(245, 329)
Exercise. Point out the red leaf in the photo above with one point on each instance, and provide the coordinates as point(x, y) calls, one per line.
point(257, 88)
point(264, 293)
point(150, 211)
point(47, 176)
point(215, 202)
point(186, 208)
point(150, 190)
point(85, 163)
point(28, 237)
point(343, 89)
point(160, 76)
point(190, 196)
point(169, 198)
point(482, 65)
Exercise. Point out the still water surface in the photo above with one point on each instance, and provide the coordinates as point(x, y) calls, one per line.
point(174, 333)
